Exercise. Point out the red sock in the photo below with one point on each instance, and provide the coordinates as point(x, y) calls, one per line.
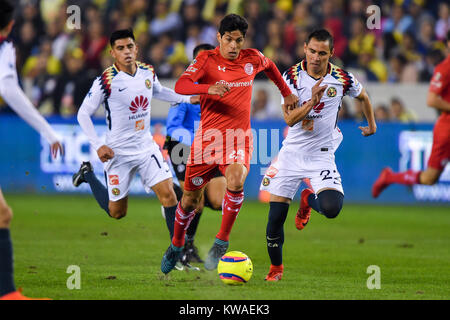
point(409, 177)
point(232, 203)
point(182, 221)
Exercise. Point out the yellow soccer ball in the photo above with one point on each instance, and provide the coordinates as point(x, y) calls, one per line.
point(235, 268)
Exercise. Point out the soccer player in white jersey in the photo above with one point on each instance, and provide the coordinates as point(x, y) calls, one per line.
point(11, 92)
point(126, 89)
point(308, 149)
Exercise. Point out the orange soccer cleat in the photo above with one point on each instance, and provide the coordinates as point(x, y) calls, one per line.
point(275, 273)
point(304, 212)
point(17, 295)
point(381, 183)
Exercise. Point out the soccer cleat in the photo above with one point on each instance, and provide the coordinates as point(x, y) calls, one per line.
point(218, 249)
point(170, 258)
point(381, 183)
point(190, 253)
point(304, 212)
point(78, 178)
point(275, 273)
point(17, 295)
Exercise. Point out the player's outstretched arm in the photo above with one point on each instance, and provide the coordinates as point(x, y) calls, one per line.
point(368, 113)
point(295, 115)
point(18, 101)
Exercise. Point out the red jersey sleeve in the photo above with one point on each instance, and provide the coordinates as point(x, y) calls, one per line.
point(272, 72)
point(186, 83)
point(440, 80)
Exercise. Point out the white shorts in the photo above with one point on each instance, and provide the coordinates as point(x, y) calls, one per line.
point(283, 177)
point(120, 171)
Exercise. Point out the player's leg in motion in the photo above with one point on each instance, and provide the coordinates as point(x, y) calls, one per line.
point(212, 197)
point(235, 176)
point(7, 287)
point(6, 251)
point(165, 192)
point(278, 211)
point(86, 174)
point(410, 177)
point(327, 202)
point(184, 214)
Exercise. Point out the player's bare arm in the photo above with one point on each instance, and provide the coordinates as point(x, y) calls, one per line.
point(195, 99)
point(368, 113)
point(435, 101)
point(295, 115)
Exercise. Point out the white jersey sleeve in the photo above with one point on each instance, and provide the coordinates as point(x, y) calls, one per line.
point(7, 60)
point(355, 87)
point(16, 98)
point(166, 94)
point(90, 104)
point(292, 82)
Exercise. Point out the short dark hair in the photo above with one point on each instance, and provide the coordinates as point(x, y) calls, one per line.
point(203, 46)
point(233, 22)
point(321, 35)
point(6, 13)
point(121, 34)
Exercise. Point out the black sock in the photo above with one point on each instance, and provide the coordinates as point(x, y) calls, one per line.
point(178, 191)
point(275, 233)
point(328, 202)
point(99, 190)
point(192, 229)
point(169, 213)
point(6, 263)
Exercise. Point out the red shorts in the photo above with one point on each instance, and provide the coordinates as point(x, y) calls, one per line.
point(199, 174)
point(440, 152)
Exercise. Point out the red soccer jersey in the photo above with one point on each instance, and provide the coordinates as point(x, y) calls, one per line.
point(232, 111)
point(440, 82)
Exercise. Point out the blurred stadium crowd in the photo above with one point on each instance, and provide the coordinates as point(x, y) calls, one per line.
point(57, 65)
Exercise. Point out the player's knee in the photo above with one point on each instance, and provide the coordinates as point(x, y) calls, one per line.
point(117, 213)
point(331, 211)
point(168, 199)
point(5, 216)
point(190, 203)
point(428, 180)
point(331, 202)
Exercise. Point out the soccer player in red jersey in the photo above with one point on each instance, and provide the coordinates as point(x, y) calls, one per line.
point(439, 98)
point(224, 78)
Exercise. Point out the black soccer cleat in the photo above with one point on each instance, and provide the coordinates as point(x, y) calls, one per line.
point(190, 253)
point(78, 178)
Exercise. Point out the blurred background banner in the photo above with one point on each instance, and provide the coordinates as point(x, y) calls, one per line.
point(26, 165)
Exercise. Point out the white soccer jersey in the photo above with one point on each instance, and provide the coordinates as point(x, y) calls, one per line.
point(126, 99)
point(11, 92)
point(318, 132)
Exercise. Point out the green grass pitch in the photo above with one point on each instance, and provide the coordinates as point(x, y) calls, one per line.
point(120, 259)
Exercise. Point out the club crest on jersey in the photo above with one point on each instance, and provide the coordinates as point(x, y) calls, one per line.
point(248, 68)
point(139, 102)
point(115, 191)
point(148, 84)
point(331, 92)
point(197, 181)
